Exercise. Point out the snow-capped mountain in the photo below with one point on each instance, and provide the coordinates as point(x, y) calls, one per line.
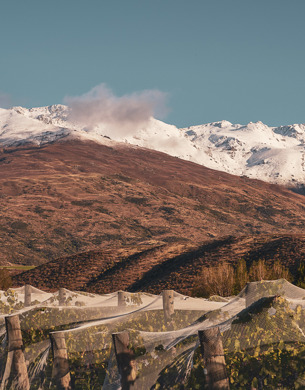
point(273, 154)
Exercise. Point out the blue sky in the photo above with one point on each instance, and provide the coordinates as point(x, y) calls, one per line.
point(239, 60)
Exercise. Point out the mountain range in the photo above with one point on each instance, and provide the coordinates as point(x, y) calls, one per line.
point(272, 154)
point(97, 210)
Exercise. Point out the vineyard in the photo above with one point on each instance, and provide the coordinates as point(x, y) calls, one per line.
point(78, 340)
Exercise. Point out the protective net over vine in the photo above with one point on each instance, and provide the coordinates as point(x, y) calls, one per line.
point(143, 341)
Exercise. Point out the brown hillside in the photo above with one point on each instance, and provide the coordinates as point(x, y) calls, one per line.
point(75, 272)
point(157, 267)
point(74, 197)
point(183, 270)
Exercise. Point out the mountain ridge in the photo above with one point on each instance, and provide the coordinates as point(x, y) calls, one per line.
point(272, 154)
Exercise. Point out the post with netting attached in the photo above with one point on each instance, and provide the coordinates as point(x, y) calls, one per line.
point(61, 372)
point(61, 297)
point(214, 360)
point(168, 304)
point(125, 360)
point(122, 295)
point(15, 353)
point(27, 295)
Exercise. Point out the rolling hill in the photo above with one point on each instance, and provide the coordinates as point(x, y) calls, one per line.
point(70, 197)
point(154, 268)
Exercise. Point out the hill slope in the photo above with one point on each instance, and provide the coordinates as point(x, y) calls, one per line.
point(157, 267)
point(72, 197)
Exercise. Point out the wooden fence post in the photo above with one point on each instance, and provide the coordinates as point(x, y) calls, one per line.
point(61, 372)
point(250, 294)
point(122, 295)
point(214, 360)
point(61, 297)
point(168, 304)
point(15, 351)
point(27, 295)
point(125, 360)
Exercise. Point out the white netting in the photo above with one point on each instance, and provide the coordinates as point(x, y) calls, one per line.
point(263, 333)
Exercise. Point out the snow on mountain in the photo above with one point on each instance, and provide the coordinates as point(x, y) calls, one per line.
point(17, 127)
point(43, 125)
point(272, 154)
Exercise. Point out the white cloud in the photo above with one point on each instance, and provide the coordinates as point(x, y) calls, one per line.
point(121, 114)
